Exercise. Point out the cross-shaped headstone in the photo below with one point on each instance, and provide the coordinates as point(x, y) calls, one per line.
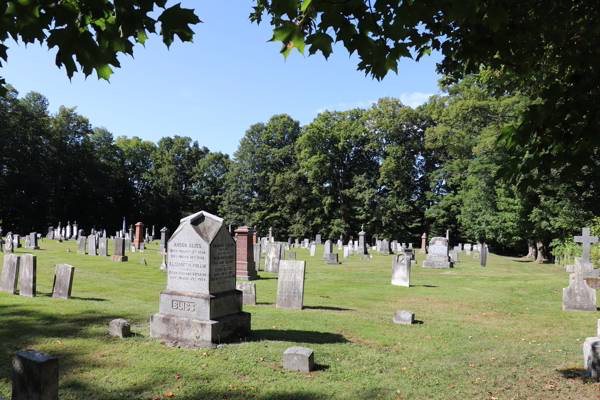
point(586, 239)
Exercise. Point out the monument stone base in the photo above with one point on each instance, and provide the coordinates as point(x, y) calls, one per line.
point(437, 262)
point(188, 319)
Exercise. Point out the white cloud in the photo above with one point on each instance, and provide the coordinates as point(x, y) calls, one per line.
point(414, 99)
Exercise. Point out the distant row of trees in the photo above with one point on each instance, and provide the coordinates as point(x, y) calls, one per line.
point(397, 170)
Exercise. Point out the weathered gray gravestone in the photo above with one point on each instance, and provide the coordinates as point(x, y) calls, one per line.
point(578, 295)
point(63, 281)
point(299, 359)
point(273, 259)
point(256, 249)
point(103, 246)
point(201, 305)
point(582, 267)
point(411, 253)
point(328, 248)
point(119, 327)
point(313, 249)
point(291, 255)
point(119, 251)
point(34, 376)
point(33, 245)
point(249, 291)
point(142, 247)
point(586, 240)
point(333, 258)
point(92, 240)
point(27, 275)
point(483, 255)
point(9, 245)
point(290, 285)
point(10, 273)
point(81, 245)
point(404, 317)
point(437, 256)
point(401, 270)
point(318, 239)
point(591, 358)
point(346, 252)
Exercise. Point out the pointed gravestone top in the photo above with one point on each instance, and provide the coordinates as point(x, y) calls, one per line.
point(586, 239)
point(201, 255)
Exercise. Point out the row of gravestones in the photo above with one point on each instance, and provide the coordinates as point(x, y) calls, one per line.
point(21, 272)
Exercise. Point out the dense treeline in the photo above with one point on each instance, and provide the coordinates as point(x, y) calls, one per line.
point(396, 170)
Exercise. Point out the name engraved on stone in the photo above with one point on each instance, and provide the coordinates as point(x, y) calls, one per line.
point(183, 305)
point(188, 262)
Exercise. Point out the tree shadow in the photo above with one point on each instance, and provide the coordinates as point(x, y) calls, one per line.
point(328, 308)
point(281, 335)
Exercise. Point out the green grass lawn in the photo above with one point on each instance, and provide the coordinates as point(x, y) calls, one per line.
point(485, 333)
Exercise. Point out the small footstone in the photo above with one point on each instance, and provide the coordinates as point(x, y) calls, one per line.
point(591, 358)
point(404, 317)
point(299, 359)
point(143, 261)
point(34, 376)
point(119, 327)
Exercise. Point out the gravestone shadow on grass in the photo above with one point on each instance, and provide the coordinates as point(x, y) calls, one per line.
point(40, 294)
point(573, 373)
point(296, 336)
point(328, 308)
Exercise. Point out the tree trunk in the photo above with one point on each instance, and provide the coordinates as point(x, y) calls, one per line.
point(542, 254)
point(532, 251)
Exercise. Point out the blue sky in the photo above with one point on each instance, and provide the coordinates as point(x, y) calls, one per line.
point(214, 89)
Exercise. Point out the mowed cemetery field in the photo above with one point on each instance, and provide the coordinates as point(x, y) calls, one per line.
point(497, 332)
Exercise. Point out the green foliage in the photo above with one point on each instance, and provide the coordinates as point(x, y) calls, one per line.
point(90, 33)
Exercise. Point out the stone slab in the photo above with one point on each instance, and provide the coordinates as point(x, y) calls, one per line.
point(404, 317)
point(248, 290)
point(299, 359)
point(119, 327)
point(34, 376)
point(290, 285)
point(27, 275)
point(401, 270)
point(578, 295)
point(63, 281)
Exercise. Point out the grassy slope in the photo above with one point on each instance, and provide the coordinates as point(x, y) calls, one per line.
point(495, 332)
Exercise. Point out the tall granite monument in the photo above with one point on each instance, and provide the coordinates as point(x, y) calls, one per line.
point(201, 306)
point(438, 256)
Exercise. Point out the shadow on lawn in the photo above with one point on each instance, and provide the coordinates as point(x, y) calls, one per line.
point(281, 335)
point(40, 294)
point(573, 373)
point(328, 308)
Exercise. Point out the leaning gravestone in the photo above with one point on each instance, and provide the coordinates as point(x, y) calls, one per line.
point(578, 295)
point(27, 275)
point(290, 285)
point(119, 252)
point(438, 254)
point(10, 273)
point(401, 270)
point(249, 291)
point(63, 281)
point(201, 306)
point(273, 259)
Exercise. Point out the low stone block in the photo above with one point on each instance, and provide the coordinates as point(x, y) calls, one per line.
point(591, 358)
point(249, 292)
point(119, 327)
point(116, 258)
point(404, 317)
point(299, 359)
point(34, 376)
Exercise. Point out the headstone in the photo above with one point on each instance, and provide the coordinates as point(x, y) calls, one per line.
point(401, 270)
point(63, 281)
point(296, 242)
point(289, 242)
point(384, 247)
point(318, 239)
point(81, 245)
point(313, 250)
point(467, 246)
point(346, 252)
point(119, 251)
point(411, 253)
point(75, 231)
point(164, 238)
point(424, 243)
point(256, 249)
point(50, 234)
point(306, 242)
point(16, 241)
point(10, 273)
point(410, 246)
point(438, 254)
point(340, 244)
point(271, 239)
point(92, 240)
point(582, 267)
point(33, 245)
point(9, 244)
point(245, 267)
point(578, 295)
point(139, 232)
point(328, 249)
point(201, 306)
point(27, 275)
point(333, 258)
point(299, 359)
point(34, 376)
point(249, 292)
point(119, 328)
point(142, 247)
point(282, 252)
point(586, 239)
point(290, 285)
point(273, 259)
point(483, 255)
point(591, 358)
point(404, 317)
point(291, 255)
